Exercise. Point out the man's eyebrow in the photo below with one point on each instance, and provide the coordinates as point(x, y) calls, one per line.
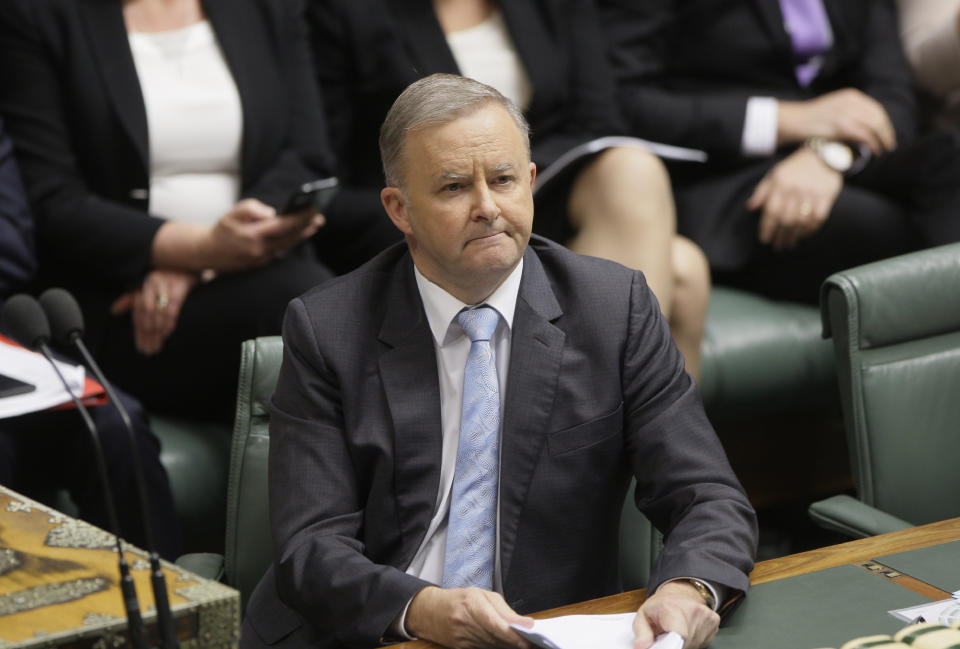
point(506, 166)
point(449, 175)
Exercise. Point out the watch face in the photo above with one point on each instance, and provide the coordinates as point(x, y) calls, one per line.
point(837, 156)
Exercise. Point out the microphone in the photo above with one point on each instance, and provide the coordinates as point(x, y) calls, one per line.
point(66, 322)
point(28, 325)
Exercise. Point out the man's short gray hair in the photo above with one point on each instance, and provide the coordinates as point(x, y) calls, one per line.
point(434, 101)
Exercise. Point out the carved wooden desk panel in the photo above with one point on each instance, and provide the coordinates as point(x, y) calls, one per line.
point(59, 586)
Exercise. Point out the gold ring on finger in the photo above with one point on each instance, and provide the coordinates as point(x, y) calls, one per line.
point(162, 301)
point(806, 209)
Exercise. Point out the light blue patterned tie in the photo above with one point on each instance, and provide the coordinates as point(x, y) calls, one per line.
point(472, 525)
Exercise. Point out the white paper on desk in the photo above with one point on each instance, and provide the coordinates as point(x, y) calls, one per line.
point(945, 612)
point(591, 632)
point(33, 368)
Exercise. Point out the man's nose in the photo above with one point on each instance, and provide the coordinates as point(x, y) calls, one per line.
point(484, 206)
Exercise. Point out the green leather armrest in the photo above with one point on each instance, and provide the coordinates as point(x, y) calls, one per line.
point(206, 564)
point(854, 518)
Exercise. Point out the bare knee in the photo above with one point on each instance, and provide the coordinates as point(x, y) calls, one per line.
point(691, 271)
point(624, 184)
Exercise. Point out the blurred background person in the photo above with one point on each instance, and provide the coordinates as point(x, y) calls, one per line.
point(549, 59)
point(41, 452)
point(807, 110)
point(157, 140)
point(930, 30)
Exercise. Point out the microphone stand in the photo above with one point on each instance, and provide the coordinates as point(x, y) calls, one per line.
point(165, 627)
point(130, 603)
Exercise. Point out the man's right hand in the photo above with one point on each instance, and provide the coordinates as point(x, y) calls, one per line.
point(845, 115)
point(464, 618)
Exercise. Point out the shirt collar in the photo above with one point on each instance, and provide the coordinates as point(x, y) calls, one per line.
point(442, 308)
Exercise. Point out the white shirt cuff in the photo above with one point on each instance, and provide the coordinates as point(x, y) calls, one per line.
point(760, 127)
point(717, 601)
point(399, 625)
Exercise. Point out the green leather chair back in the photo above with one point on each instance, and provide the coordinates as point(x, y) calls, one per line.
point(249, 548)
point(896, 331)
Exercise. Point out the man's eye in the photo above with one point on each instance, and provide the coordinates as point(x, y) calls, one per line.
point(503, 180)
point(453, 187)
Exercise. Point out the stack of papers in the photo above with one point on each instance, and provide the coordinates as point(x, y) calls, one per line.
point(945, 612)
point(591, 632)
point(32, 367)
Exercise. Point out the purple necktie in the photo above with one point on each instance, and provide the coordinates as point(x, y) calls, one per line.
point(809, 28)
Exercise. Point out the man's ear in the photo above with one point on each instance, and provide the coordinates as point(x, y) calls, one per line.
point(533, 174)
point(396, 208)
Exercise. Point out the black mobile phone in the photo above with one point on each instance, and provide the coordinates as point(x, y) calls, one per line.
point(316, 194)
point(10, 386)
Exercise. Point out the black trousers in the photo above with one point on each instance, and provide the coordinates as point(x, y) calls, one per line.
point(902, 201)
point(45, 451)
point(195, 374)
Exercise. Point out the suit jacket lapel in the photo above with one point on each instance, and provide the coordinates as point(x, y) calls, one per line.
point(536, 350)
point(422, 36)
point(103, 21)
point(237, 26)
point(408, 371)
point(772, 19)
point(530, 31)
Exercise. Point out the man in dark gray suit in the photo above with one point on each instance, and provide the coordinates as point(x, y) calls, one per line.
point(367, 457)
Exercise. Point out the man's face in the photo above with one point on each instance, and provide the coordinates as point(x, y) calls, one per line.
point(466, 207)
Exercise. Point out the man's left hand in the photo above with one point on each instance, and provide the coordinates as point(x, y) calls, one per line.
point(675, 606)
point(795, 199)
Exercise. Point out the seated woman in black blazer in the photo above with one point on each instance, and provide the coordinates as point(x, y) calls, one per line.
point(547, 57)
point(157, 140)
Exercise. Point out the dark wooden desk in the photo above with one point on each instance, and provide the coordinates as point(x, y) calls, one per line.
point(858, 552)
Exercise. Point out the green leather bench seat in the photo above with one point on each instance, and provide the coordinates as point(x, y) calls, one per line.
point(196, 457)
point(763, 357)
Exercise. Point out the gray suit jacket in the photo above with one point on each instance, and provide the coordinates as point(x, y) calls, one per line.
point(596, 393)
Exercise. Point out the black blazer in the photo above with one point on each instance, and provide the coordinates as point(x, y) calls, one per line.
point(70, 94)
point(355, 442)
point(368, 51)
point(17, 261)
point(685, 68)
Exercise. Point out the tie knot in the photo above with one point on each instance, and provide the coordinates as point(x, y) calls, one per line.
point(479, 323)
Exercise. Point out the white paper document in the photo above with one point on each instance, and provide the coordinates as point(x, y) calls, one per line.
point(945, 612)
point(33, 368)
point(591, 632)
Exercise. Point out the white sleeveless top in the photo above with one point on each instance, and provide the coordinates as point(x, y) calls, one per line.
point(486, 53)
point(194, 123)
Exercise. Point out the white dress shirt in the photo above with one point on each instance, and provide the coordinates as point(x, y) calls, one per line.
point(452, 347)
point(486, 53)
point(194, 123)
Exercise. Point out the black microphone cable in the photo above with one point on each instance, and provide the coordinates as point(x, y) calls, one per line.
point(27, 324)
point(66, 322)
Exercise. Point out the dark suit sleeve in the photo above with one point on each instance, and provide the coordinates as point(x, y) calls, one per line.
point(882, 71)
point(71, 220)
point(306, 154)
point(639, 49)
point(316, 501)
point(17, 261)
point(594, 108)
point(685, 485)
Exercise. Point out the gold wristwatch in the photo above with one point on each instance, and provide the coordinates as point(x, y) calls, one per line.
point(705, 593)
